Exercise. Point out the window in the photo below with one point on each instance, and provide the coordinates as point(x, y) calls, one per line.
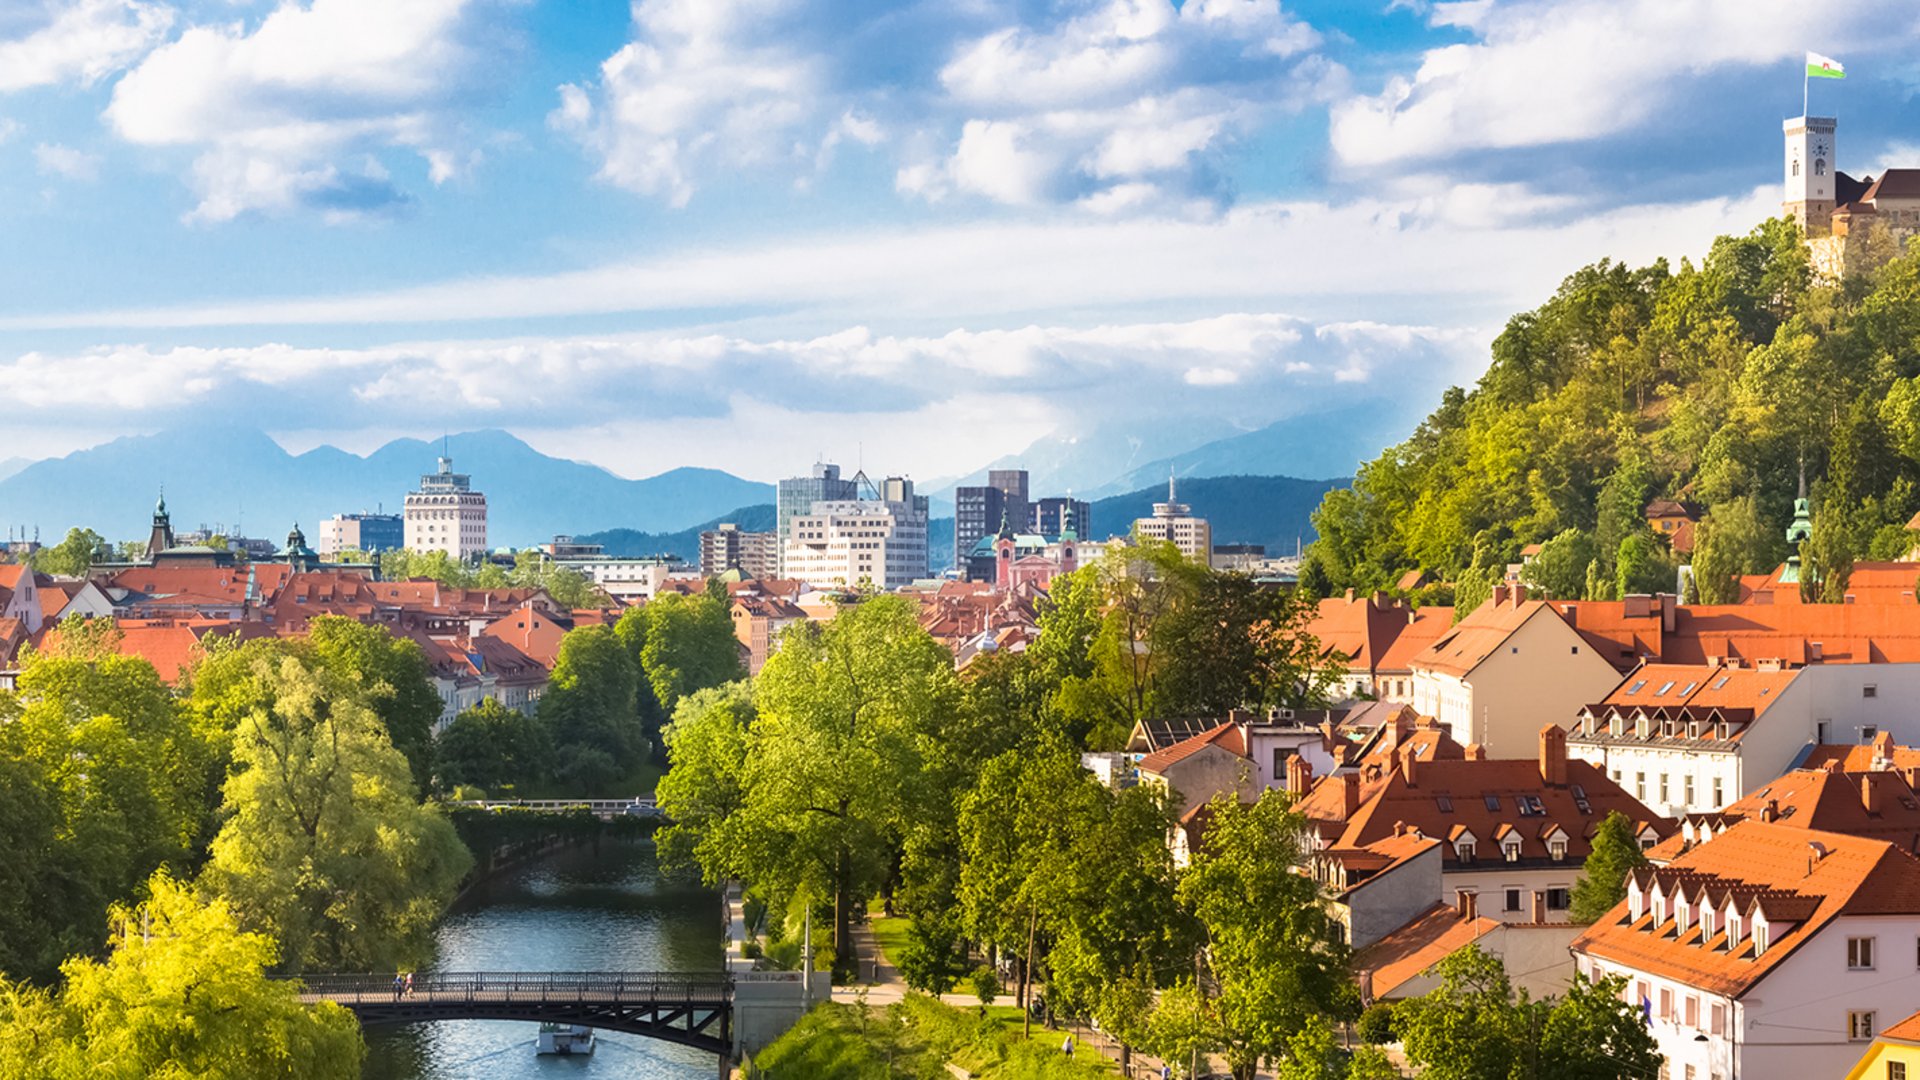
point(1557, 849)
point(1690, 1074)
point(1666, 1004)
point(1718, 801)
point(1717, 1019)
point(1686, 786)
point(1444, 802)
point(1511, 851)
point(1465, 850)
point(1513, 899)
point(1860, 1025)
point(1896, 1070)
point(1867, 732)
point(1870, 690)
point(1663, 787)
point(1493, 802)
point(1640, 786)
point(1691, 1017)
point(1859, 954)
point(1820, 730)
point(1557, 899)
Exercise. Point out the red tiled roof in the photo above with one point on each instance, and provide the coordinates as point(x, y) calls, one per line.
point(1807, 877)
point(1227, 736)
point(1828, 799)
point(1907, 1030)
point(1701, 687)
point(1478, 636)
point(1411, 950)
point(1375, 634)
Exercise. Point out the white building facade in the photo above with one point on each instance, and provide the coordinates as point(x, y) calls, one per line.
point(446, 514)
point(855, 543)
point(1173, 521)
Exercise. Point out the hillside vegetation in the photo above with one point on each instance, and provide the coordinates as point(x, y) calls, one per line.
point(1722, 383)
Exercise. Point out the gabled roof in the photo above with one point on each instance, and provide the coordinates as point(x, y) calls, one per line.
point(1701, 687)
point(1823, 799)
point(1484, 797)
point(1894, 184)
point(1809, 878)
point(1413, 949)
point(1375, 633)
point(1227, 736)
point(1478, 636)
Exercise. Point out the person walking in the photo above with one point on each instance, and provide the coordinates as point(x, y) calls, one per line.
point(399, 981)
point(1067, 1046)
point(409, 984)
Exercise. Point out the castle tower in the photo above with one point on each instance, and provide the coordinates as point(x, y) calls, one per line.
point(1809, 166)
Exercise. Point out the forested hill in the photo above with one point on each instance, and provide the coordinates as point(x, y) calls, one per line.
point(1714, 383)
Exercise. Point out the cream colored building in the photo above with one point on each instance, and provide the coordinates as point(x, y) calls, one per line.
point(1504, 670)
point(1173, 521)
point(446, 514)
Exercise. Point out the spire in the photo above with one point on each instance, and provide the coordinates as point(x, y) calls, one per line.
point(1170, 495)
point(1006, 529)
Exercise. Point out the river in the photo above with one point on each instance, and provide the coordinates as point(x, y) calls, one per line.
point(577, 910)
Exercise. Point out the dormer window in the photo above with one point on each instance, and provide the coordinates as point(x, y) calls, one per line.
point(1557, 849)
point(1464, 849)
point(1733, 931)
point(1759, 936)
point(1706, 922)
point(1511, 850)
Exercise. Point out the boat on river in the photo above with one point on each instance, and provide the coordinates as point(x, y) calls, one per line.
point(564, 1039)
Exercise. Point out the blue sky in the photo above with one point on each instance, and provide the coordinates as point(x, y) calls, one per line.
point(740, 232)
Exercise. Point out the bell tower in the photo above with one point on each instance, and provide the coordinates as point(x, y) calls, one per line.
point(1809, 166)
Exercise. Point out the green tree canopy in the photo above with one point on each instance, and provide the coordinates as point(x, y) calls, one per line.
point(1603, 880)
point(493, 747)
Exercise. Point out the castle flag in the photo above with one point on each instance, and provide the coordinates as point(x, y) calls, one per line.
point(1824, 67)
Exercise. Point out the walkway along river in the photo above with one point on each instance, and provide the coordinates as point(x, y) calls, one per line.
point(575, 910)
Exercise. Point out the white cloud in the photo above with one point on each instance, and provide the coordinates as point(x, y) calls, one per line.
point(929, 400)
point(8, 128)
point(1438, 248)
point(705, 84)
point(288, 116)
point(56, 160)
point(1547, 73)
point(75, 40)
point(1124, 100)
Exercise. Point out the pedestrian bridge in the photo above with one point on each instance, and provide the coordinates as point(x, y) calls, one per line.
point(641, 806)
point(720, 1013)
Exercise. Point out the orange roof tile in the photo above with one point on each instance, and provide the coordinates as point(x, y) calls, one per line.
point(1413, 949)
point(1808, 878)
point(1227, 736)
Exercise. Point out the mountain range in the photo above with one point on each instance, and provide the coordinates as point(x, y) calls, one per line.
point(243, 480)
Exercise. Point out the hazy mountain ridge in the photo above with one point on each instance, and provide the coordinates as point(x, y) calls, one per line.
point(242, 478)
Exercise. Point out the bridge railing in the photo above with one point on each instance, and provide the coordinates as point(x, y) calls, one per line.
point(604, 987)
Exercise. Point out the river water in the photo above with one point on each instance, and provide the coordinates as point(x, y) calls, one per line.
point(577, 910)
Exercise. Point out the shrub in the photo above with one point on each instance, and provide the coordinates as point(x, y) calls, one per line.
point(1376, 1024)
point(986, 986)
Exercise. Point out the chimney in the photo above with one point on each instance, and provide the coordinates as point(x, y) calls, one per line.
point(1476, 752)
point(1380, 600)
point(1500, 594)
point(1637, 605)
point(1468, 903)
point(1392, 742)
point(1669, 612)
point(1872, 792)
point(1299, 776)
point(1349, 795)
point(1553, 755)
point(1771, 811)
point(1407, 766)
point(1349, 596)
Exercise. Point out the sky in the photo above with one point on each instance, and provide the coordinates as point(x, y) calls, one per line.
point(744, 233)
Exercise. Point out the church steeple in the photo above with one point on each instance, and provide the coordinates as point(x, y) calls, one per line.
point(162, 536)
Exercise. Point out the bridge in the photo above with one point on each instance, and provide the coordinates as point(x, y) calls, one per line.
point(720, 1013)
point(606, 809)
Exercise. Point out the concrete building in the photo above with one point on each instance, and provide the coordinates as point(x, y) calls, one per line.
point(798, 495)
point(848, 543)
point(754, 554)
point(361, 532)
point(979, 511)
point(446, 514)
point(1173, 521)
point(1767, 953)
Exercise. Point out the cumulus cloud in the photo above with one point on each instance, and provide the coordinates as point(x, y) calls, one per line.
point(58, 41)
point(1548, 73)
point(1240, 369)
point(705, 84)
point(292, 114)
point(1119, 106)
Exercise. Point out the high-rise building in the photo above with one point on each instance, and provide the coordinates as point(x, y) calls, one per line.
point(361, 532)
point(754, 554)
point(1053, 516)
point(978, 511)
point(878, 542)
point(446, 514)
point(795, 496)
point(1173, 521)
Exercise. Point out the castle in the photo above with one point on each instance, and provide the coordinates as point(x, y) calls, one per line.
point(1849, 224)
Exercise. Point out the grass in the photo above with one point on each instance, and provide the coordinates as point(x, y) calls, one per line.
point(890, 932)
point(916, 1039)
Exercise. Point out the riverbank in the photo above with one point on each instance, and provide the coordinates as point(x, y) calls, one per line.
point(920, 1039)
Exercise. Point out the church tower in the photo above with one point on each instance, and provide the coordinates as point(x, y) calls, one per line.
point(1809, 172)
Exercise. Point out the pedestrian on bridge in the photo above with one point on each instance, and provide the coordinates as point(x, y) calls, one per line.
point(409, 984)
point(399, 983)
